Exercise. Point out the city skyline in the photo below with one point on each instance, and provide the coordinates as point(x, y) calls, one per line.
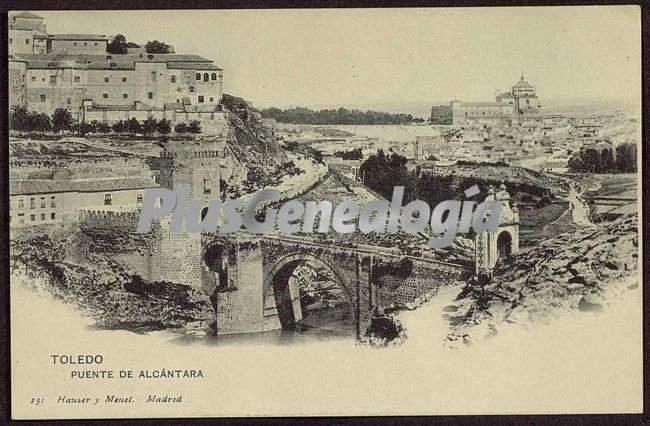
point(263, 62)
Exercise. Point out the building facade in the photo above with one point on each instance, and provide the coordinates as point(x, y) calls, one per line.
point(118, 82)
point(60, 200)
point(75, 72)
point(520, 103)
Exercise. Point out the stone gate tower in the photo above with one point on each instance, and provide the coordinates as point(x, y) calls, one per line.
point(204, 166)
point(492, 246)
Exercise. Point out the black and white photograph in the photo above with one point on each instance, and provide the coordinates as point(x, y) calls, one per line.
point(324, 212)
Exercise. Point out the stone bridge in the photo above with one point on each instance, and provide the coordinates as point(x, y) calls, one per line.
point(248, 278)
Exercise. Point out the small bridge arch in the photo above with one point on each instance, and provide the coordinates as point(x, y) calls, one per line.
point(276, 285)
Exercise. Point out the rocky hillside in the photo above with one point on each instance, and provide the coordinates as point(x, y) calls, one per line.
point(79, 267)
point(252, 142)
point(579, 270)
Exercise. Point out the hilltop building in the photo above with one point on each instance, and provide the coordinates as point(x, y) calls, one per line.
point(74, 71)
point(520, 103)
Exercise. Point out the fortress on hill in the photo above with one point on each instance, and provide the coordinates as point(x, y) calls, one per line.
point(76, 72)
point(517, 104)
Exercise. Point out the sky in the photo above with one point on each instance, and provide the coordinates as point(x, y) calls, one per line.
point(354, 56)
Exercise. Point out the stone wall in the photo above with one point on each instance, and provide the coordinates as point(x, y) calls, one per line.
point(425, 278)
point(177, 256)
point(108, 219)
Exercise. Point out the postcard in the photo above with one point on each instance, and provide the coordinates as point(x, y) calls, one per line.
point(325, 212)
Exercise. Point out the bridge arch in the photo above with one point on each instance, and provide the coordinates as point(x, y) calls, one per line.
point(279, 274)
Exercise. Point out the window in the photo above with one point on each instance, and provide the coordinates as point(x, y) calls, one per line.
point(214, 76)
point(21, 218)
point(211, 99)
point(198, 76)
point(42, 98)
point(106, 79)
point(191, 88)
point(52, 201)
point(21, 203)
point(33, 78)
point(52, 216)
point(10, 41)
point(68, 101)
point(172, 79)
point(105, 95)
point(123, 79)
point(26, 41)
point(125, 95)
point(85, 44)
point(76, 79)
point(207, 183)
point(153, 75)
point(42, 202)
point(150, 95)
point(32, 203)
point(138, 199)
point(206, 77)
point(95, 43)
point(32, 217)
point(75, 43)
point(108, 199)
point(42, 216)
point(201, 99)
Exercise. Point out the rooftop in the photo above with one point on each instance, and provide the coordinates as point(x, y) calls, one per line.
point(49, 186)
point(27, 15)
point(98, 37)
point(20, 27)
point(113, 61)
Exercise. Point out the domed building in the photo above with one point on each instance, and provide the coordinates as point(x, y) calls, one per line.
point(522, 96)
point(517, 105)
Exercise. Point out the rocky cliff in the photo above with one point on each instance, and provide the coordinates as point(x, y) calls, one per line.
point(580, 271)
point(252, 143)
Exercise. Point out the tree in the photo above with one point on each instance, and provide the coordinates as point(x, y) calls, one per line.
point(83, 128)
point(194, 127)
point(103, 127)
point(61, 120)
point(180, 128)
point(626, 158)
point(164, 127)
point(94, 126)
point(118, 45)
point(149, 126)
point(40, 122)
point(381, 172)
point(120, 127)
point(156, 47)
point(133, 126)
point(18, 118)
